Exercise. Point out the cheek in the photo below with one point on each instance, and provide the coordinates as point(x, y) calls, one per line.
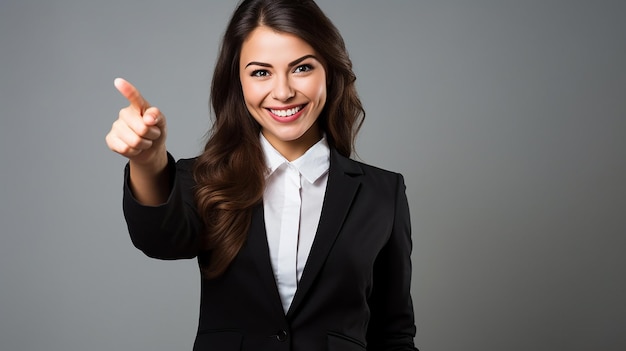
point(251, 93)
point(316, 89)
point(322, 83)
point(322, 93)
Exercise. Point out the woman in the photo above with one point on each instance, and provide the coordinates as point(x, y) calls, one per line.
point(300, 248)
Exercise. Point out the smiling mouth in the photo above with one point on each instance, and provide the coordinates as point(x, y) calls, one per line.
point(287, 112)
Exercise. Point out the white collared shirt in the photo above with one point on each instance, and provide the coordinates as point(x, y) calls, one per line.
point(292, 202)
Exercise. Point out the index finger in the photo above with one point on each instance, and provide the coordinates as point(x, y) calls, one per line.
point(131, 94)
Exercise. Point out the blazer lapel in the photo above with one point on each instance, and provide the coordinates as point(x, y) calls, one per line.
point(341, 188)
point(259, 249)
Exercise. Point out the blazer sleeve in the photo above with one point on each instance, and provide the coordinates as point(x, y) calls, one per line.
point(170, 230)
point(392, 322)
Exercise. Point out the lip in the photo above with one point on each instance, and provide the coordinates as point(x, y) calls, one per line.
point(290, 118)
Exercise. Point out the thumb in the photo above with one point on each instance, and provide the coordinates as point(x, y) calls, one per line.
point(153, 117)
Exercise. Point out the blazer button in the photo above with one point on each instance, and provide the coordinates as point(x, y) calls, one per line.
point(281, 336)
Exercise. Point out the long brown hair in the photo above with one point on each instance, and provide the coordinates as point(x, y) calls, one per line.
point(230, 173)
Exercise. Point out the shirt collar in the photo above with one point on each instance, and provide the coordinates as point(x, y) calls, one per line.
point(312, 165)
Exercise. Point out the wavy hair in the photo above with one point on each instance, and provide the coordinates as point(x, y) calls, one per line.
point(230, 173)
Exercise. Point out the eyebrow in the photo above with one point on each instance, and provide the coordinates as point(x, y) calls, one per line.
point(291, 64)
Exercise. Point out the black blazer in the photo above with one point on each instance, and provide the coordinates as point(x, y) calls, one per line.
point(354, 291)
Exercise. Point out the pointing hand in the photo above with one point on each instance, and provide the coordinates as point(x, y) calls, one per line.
point(139, 132)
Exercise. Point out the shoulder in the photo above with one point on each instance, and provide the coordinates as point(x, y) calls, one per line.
point(366, 173)
point(376, 171)
point(354, 167)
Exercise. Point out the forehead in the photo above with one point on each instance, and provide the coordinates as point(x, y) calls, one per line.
point(267, 45)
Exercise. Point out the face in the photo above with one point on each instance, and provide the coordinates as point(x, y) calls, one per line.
point(284, 87)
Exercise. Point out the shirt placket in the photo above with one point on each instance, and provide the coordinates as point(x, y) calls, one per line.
point(289, 231)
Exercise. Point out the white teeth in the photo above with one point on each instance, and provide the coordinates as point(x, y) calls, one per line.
point(286, 113)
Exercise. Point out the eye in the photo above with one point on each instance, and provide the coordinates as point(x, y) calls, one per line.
point(261, 73)
point(303, 68)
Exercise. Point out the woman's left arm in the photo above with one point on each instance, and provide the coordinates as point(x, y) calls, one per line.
point(392, 322)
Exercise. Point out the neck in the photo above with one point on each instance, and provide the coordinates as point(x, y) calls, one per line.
point(293, 149)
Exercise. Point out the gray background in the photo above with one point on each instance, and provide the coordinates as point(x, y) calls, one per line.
point(507, 118)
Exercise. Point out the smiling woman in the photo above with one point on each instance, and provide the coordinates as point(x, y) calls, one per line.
point(284, 86)
point(299, 246)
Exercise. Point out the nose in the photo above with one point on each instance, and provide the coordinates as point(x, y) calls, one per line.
point(282, 90)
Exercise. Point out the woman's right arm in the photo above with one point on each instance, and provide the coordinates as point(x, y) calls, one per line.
point(158, 202)
point(139, 134)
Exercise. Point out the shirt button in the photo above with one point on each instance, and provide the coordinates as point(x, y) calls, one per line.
point(281, 336)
